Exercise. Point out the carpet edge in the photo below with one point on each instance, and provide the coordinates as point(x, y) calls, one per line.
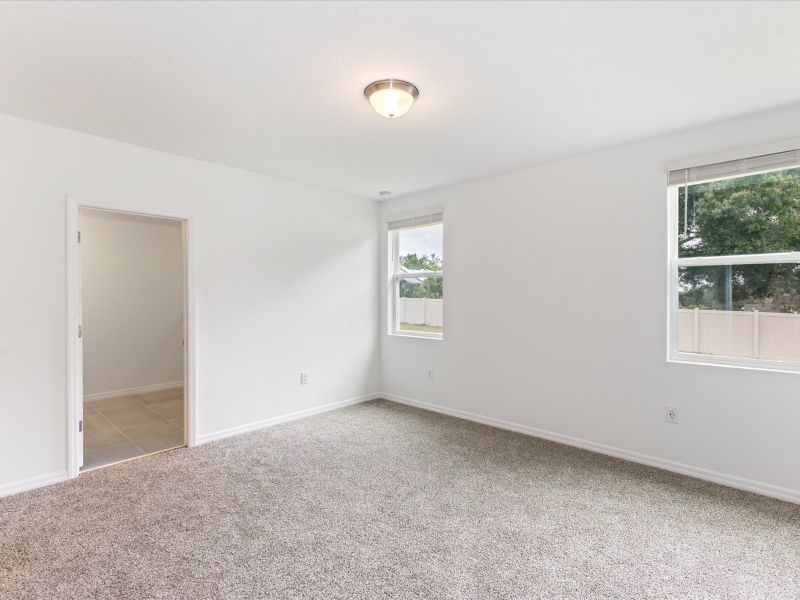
point(31, 483)
point(255, 425)
point(732, 481)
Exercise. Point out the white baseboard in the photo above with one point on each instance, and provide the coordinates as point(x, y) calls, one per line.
point(224, 433)
point(733, 481)
point(15, 487)
point(145, 389)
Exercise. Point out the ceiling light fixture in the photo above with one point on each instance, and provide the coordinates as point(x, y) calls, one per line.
point(391, 98)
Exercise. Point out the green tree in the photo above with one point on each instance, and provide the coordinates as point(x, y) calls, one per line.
point(430, 287)
point(412, 262)
point(745, 215)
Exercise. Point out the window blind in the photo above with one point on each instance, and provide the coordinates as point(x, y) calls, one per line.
point(421, 221)
point(743, 166)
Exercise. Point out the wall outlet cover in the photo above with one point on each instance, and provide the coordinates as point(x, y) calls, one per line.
point(671, 414)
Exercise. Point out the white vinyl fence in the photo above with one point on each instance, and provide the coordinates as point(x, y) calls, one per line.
point(751, 334)
point(420, 311)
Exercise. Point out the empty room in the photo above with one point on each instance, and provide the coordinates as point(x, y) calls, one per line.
point(457, 300)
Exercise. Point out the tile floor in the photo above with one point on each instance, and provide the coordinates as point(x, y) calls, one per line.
point(120, 428)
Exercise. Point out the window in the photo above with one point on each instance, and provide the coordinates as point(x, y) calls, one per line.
point(416, 306)
point(735, 262)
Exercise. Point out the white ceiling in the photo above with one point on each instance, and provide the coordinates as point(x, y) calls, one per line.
point(277, 87)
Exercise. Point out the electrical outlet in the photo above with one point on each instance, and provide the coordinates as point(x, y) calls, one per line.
point(671, 414)
point(430, 373)
point(303, 377)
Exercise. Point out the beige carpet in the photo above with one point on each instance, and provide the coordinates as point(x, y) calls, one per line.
point(385, 501)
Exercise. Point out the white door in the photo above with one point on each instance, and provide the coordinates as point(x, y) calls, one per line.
point(79, 361)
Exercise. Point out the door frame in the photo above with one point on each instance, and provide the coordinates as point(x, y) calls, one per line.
point(74, 318)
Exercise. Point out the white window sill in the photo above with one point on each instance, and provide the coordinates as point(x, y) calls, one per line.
point(417, 335)
point(688, 358)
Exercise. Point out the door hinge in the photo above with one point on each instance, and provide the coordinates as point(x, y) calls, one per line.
point(80, 331)
point(79, 237)
point(80, 426)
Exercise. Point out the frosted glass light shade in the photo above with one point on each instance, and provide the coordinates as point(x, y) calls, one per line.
point(391, 98)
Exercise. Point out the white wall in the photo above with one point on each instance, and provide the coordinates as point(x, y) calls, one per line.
point(266, 250)
point(132, 284)
point(558, 237)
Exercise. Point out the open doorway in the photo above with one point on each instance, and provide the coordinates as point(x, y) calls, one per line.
point(132, 336)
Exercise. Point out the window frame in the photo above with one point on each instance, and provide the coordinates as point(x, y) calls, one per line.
point(395, 276)
point(674, 262)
